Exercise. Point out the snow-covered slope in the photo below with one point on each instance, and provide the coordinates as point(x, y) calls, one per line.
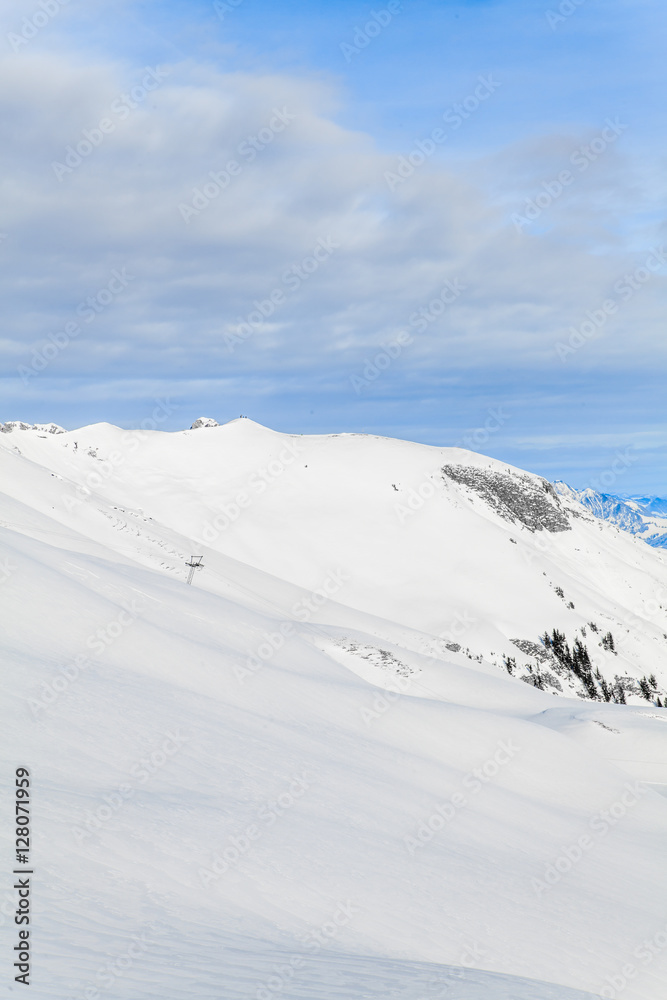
point(642, 516)
point(285, 780)
point(475, 555)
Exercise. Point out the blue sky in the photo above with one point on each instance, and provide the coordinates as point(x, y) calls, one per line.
point(372, 169)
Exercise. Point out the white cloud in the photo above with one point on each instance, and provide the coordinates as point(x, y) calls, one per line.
point(310, 179)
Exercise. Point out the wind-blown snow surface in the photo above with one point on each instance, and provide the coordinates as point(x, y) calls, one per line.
point(280, 782)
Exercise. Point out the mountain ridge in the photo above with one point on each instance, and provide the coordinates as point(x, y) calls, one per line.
point(641, 516)
point(287, 503)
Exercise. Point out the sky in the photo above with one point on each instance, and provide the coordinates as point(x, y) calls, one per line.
point(436, 221)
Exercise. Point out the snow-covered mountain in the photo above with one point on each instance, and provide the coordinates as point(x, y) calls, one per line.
point(654, 506)
point(642, 516)
point(319, 771)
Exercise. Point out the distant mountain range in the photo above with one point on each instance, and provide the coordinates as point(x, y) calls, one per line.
point(643, 516)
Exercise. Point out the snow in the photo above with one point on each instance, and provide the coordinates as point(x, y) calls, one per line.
point(280, 780)
point(204, 422)
point(642, 516)
point(18, 425)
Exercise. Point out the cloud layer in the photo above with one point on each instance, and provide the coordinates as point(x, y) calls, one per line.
point(173, 225)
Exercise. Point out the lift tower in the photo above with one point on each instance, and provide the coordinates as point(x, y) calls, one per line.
point(195, 563)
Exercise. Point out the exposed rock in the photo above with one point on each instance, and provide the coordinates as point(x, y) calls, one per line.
point(204, 422)
point(515, 497)
point(18, 425)
point(380, 658)
point(532, 649)
point(543, 681)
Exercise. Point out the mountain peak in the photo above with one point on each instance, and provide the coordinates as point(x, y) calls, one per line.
point(204, 422)
point(642, 516)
